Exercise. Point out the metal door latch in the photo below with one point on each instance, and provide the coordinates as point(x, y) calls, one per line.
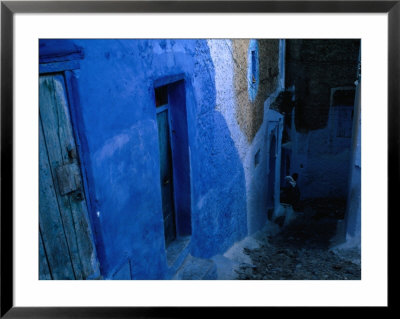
point(68, 177)
point(78, 196)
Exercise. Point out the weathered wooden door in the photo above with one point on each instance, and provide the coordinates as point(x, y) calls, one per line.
point(66, 248)
point(166, 173)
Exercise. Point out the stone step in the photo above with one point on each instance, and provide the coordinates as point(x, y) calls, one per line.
point(177, 252)
point(196, 269)
point(226, 268)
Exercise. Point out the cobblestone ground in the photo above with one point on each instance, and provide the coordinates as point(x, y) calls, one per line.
point(301, 251)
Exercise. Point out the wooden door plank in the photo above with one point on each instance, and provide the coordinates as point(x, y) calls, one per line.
point(44, 270)
point(55, 120)
point(50, 220)
point(87, 252)
point(55, 133)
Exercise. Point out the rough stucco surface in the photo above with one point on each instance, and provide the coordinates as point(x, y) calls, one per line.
point(227, 105)
point(219, 209)
point(250, 114)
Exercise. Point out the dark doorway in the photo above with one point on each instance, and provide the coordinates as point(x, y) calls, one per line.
point(174, 160)
point(285, 164)
point(271, 173)
point(166, 173)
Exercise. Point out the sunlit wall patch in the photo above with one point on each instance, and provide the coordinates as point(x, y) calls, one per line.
point(252, 69)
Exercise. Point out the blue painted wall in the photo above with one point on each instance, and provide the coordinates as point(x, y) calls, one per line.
point(322, 160)
point(353, 211)
point(116, 115)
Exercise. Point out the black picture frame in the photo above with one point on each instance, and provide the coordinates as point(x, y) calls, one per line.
point(9, 8)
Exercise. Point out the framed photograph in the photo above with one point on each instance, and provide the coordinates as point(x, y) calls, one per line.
point(160, 158)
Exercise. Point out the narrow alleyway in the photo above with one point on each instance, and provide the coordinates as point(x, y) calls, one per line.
point(302, 250)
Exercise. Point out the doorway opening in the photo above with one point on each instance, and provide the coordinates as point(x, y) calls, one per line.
point(285, 164)
point(271, 173)
point(173, 145)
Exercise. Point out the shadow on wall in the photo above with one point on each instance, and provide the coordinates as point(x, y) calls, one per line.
point(219, 192)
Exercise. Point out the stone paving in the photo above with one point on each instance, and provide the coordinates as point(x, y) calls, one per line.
point(300, 250)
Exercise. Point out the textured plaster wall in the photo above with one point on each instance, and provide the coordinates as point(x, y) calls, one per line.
point(117, 122)
point(217, 172)
point(230, 60)
point(249, 110)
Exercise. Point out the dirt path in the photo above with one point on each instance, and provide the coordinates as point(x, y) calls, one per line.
point(301, 251)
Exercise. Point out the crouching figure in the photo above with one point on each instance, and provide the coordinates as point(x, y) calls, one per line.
point(290, 193)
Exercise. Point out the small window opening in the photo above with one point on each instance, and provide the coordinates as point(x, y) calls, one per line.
point(257, 158)
point(253, 66)
point(161, 94)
